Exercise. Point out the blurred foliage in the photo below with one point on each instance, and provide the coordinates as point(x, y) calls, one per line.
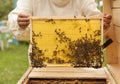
point(100, 7)
point(5, 7)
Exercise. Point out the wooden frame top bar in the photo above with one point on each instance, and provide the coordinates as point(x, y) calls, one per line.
point(55, 17)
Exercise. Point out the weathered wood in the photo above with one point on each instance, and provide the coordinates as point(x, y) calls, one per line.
point(24, 79)
point(116, 4)
point(63, 72)
point(111, 51)
point(56, 74)
point(93, 83)
point(115, 71)
point(119, 53)
point(67, 82)
point(117, 32)
point(68, 75)
point(66, 17)
point(107, 6)
point(111, 56)
point(54, 82)
point(110, 79)
point(116, 18)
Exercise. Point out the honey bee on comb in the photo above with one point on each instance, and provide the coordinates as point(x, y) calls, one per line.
point(50, 20)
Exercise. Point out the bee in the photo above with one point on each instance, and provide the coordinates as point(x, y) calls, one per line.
point(75, 17)
point(51, 20)
point(54, 53)
point(88, 29)
point(87, 20)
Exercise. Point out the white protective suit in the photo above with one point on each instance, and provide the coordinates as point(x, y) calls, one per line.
point(49, 8)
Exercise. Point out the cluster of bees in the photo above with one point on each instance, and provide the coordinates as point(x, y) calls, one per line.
point(86, 53)
point(36, 55)
point(81, 52)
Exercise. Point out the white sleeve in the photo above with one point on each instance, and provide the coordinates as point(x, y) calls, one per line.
point(25, 7)
point(89, 8)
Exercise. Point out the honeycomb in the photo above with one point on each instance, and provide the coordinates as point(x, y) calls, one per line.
point(66, 41)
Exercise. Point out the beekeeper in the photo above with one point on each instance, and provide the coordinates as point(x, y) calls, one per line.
point(19, 18)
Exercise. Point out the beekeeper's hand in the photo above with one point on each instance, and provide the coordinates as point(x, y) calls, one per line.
point(106, 21)
point(23, 20)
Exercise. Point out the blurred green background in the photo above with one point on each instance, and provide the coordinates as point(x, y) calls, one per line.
point(13, 55)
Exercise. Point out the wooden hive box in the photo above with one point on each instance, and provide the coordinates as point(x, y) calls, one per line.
point(113, 51)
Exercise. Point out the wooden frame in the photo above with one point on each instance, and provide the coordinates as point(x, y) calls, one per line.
point(64, 38)
point(113, 51)
point(94, 76)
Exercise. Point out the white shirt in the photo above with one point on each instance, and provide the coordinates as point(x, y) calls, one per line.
point(47, 8)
